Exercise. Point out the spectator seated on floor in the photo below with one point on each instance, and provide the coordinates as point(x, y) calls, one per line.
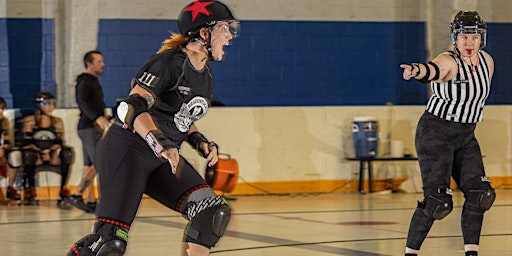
point(41, 143)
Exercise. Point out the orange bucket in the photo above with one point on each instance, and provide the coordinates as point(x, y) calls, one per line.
point(223, 176)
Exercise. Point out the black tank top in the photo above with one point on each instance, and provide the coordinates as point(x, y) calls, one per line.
point(183, 94)
point(45, 137)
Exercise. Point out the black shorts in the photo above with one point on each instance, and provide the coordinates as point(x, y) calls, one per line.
point(89, 138)
point(128, 169)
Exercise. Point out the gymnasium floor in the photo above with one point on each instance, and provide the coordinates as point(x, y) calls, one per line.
point(297, 225)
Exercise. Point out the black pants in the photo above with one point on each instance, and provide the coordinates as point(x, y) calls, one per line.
point(447, 149)
point(128, 168)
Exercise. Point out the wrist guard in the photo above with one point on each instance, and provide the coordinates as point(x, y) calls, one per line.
point(426, 79)
point(196, 138)
point(158, 142)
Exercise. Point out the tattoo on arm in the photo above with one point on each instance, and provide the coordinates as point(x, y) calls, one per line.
point(84, 183)
point(149, 99)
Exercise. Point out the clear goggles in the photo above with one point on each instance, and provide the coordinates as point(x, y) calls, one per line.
point(232, 27)
point(43, 101)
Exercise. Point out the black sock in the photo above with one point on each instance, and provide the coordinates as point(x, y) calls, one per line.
point(411, 254)
point(471, 253)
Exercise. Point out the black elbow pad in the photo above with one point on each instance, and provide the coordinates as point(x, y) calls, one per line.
point(130, 108)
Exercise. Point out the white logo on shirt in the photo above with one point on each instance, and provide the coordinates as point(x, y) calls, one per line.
point(190, 112)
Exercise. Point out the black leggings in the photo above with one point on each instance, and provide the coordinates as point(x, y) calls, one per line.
point(128, 168)
point(447, 149)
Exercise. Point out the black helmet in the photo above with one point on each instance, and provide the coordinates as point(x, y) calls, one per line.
point(202, 13)
point(468, 23)
point(43, 98)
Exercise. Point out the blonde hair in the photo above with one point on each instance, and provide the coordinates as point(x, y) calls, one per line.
point(173, 41)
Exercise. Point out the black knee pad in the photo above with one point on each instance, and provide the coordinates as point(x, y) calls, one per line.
point(439, 204)
point(480, 196)
point(66, 156)
point(209, 218)
point(30, 157)
point(105, 240)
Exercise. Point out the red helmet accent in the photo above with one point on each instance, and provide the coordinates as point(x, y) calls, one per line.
point(202, 13)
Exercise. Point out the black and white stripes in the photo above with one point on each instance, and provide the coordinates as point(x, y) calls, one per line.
point(462, 99)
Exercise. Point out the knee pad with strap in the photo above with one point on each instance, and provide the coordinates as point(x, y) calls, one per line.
point(481, 196)
point(30, 157)
point(438, 204)
point(209, 217)
point(66, 155)
point(106, 239)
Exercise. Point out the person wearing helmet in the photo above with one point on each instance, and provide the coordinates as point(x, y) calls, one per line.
point(460, 80)
point(140, 155)
point(42, 137)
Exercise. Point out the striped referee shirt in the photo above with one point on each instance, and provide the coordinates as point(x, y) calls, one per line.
point(462, 99)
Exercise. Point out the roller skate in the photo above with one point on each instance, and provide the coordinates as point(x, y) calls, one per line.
point(63, 202)
point(13, 197)
point(30, 196)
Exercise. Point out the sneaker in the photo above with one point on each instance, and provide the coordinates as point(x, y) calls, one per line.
point(92, 205)
point(78, 202)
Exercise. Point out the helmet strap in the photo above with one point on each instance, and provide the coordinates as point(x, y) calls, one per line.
point(206, 43)
point(209, 44)
point(200, 41)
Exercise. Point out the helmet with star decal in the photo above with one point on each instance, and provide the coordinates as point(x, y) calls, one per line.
point(204, 13)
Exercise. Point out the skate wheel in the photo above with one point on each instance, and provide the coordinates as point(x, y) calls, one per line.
point(11, 203)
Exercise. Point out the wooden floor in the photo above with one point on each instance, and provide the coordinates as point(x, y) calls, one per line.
point(298, 225)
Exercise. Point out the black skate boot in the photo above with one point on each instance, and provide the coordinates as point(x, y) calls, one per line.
point(63, 202)
point(29, 197)
point(13, 197)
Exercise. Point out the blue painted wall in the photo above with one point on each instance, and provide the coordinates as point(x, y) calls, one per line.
point(31, 59)
point(4, 64)
point(283, 63)
point(497, 37)
point(273, 63)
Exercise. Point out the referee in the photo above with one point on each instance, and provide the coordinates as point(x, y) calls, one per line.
point(445, 140)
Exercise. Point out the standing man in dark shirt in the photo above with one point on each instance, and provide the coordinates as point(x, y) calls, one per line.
point(92, 123)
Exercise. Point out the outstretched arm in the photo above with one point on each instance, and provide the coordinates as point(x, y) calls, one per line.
point(441, 69)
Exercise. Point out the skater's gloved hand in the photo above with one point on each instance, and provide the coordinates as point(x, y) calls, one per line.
point(211, 152)
point(164, 148)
